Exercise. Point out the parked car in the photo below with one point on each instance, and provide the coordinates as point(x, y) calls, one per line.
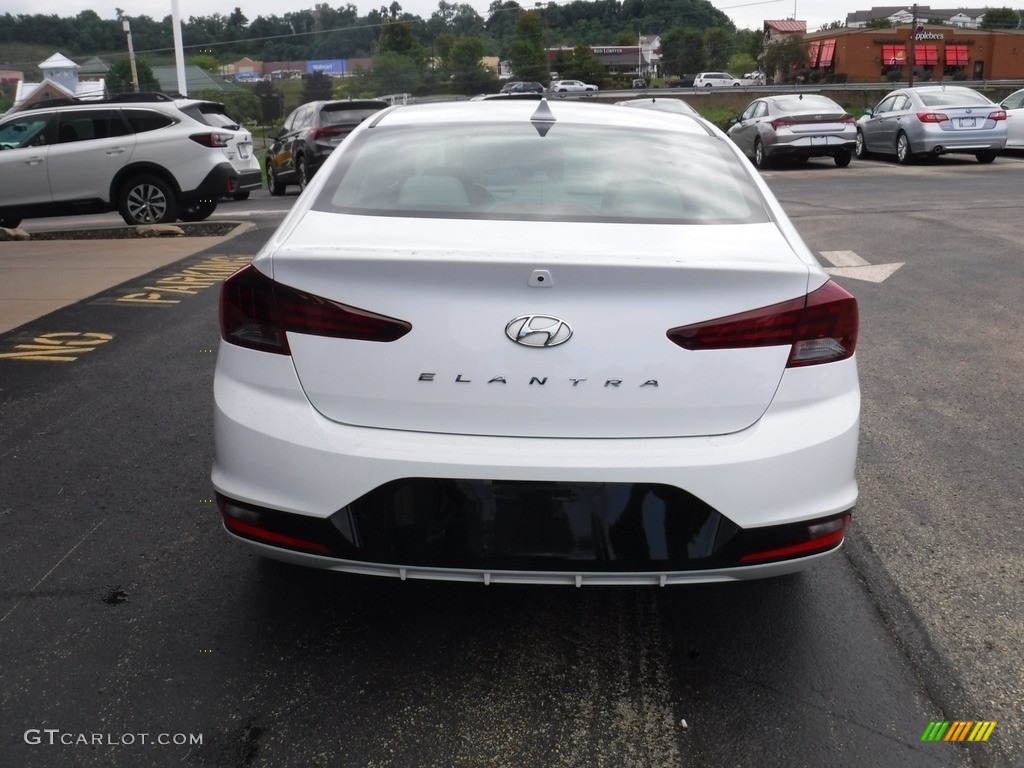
point(530, 341)
point(932, 120)
point(152, 158)
point(309, 135)
point(757, 77)
point(795, 126)
point(573, 86)
point(1014, 106)
point(638, 82)
point(239, 149)
point(715, 79)
point(661, 104)
point(519, 86)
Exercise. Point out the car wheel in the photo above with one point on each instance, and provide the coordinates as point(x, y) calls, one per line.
point(987, 156)
point(10, 223)
point(735, 85)
point(760, 158)
point(707, 85)
point(861, 150)
point(274, 186)
point(843, 159)
point(904, 155)
point(147, 200)
point(304, 174)
point(198, 211)
point(241, 195)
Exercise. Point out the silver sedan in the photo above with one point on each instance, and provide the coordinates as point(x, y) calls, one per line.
point(795, 126)
point(931, 120)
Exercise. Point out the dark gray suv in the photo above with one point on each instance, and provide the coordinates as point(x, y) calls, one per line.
point(308, 137)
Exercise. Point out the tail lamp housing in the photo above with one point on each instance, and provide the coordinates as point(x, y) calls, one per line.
point(821, 327)
point(257, 312)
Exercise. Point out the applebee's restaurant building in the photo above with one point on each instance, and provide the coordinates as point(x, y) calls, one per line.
point(935, 53)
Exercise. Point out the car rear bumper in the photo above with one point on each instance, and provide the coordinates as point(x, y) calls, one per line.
point(249, 180)
point(276, 455)
point(805, 146)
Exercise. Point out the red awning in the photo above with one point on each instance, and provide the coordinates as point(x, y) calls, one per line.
point(894, 54)
point(956, 56)
point(828, 50)
point(926, 54)
point(812, 54)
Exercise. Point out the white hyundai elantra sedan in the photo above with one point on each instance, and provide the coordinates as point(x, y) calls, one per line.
point(517, 341)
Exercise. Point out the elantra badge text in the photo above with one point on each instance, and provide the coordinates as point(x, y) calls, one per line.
point(538, 331)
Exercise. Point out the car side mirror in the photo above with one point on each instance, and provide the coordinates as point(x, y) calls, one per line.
point(869, 112)
point(277, 133)
point(734, 120)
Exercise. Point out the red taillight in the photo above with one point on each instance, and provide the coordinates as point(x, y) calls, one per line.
point(256, 312)
point(821, 328)
point(213, 139)
point(325, 133)
point(782, 122)
point(999, 114)
point(932, 117)
point(849, 120)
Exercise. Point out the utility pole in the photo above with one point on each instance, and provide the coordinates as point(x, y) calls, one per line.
point(127, 27)
point(910, 49)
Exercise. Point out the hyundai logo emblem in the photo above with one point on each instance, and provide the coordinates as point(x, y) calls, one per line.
point(538, 331)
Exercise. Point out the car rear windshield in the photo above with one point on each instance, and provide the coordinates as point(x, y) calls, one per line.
point(808, 103)
point(953, 98)
point(561, 172)
point(347, 115)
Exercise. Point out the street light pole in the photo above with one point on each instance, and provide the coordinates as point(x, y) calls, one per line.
point(127, 27)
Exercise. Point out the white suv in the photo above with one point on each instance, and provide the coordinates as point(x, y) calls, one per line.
point(714, 79)
point(573, 86)
point(150, 157)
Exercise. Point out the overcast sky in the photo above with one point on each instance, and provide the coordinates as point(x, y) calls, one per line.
point(745, 14)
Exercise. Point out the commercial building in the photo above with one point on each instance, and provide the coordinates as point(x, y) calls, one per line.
point(932, 52)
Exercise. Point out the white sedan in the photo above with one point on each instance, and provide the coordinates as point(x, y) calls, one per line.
point(517, 341)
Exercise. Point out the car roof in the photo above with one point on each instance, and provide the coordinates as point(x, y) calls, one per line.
point(512, 110)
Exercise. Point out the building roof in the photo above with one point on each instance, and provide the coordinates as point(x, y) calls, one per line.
point(196, 79)
point(786, 25)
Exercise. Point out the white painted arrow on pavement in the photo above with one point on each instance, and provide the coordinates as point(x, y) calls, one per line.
point(849, 264)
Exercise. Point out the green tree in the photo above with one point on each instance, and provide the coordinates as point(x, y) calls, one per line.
point(468, 74)
point(204, 61)
point(718, 45)
point(316, 87)
point(583, 65)
point(119, 78)
point(781, 58)
point(740, 63)
point(1001, 18)
point(526, 53)
point(682, 51)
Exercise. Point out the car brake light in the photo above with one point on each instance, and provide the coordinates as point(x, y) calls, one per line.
point(324, 133)
point(932, 117)
point(213, 139)
point(256, 312)
point(782, 122)
point(849, 120)
point(821, 328)
point(999, 114)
